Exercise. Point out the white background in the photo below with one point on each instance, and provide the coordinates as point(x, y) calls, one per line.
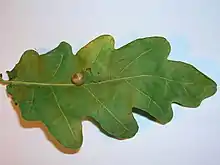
point(193, 29)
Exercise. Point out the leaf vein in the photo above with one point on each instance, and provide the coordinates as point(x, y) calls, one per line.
point(146, 95)
point(32, 101)
point(166, 87)
point(58, 67)
point(130, 63)
point(63, 114)
point(97, 55)
point(185, 90)
point(140, 76)
point(106, 108)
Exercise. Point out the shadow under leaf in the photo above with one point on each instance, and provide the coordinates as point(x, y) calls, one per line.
point(144, 114)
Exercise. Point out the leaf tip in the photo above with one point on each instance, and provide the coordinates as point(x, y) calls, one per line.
point(64, 47)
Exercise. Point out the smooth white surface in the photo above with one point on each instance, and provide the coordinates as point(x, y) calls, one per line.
point(192, 27)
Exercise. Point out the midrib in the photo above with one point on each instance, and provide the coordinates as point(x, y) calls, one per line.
point(101, 82)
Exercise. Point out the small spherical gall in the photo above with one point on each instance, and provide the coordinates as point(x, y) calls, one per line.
point(77, 79)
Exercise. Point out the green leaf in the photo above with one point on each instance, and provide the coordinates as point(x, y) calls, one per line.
point(136, 75)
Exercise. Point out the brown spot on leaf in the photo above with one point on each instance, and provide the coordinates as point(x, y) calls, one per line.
point(77, 79)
